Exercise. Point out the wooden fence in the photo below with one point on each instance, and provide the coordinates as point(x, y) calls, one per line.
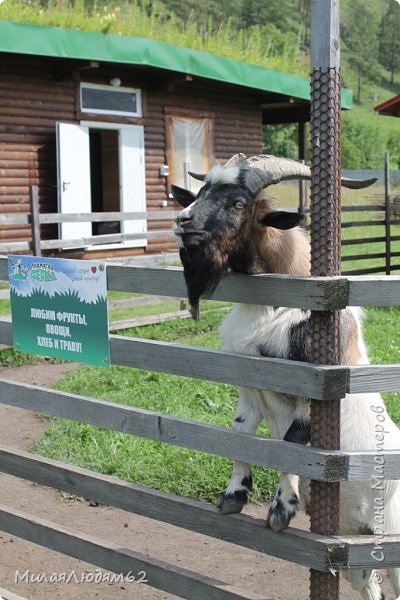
point(35, 219)
point(385, 208)
point(324, 383)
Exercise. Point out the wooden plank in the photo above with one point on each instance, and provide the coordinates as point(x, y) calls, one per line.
point(149, 320)
point(298, 546)
point(364, 552)
point(113, 238)
point(10, 247)
point(95, 217)
point(357, 241)
point(362, 207)
point(316, 293)
point(107, 555)
point(362, 465)
point(6, 331)
point(306, 461)
point(288, 376)
point(374, 291)
point(374, 378)
point(363, 256)
point(325, 50)
point(14, 219)
point(7, 595)
point(303, 460)
point(142, 301)
point(368, 271)
point(294, 545)
point(363, 224)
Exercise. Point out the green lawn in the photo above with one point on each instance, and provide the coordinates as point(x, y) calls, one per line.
point(145, 462)
point(167, 467)
point(382, 334)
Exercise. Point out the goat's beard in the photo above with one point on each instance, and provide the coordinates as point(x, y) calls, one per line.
point(202, 271)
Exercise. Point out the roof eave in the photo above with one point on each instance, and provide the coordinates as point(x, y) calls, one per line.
point(23, 38)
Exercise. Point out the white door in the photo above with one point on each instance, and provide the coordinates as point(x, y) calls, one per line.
point(73, 163)
point(132, 177)
point(74, 168)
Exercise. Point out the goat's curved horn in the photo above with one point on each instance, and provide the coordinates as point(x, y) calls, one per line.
point(265, 169)
point(236, 159)
point(198, 176)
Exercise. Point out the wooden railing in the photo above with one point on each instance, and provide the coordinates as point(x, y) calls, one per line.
point(321, 382)
point(35, 219)
point(385, 208)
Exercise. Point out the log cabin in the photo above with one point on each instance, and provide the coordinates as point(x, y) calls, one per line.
point(106, 123)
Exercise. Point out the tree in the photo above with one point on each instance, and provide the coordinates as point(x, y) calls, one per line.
point(360, 24)
point(389, 40)
point(281, 140)
point(259, 12)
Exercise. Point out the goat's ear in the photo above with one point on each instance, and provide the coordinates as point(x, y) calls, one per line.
point(184, 197)
point(281, 219)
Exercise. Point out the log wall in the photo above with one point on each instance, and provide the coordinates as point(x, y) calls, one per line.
point(36, 93)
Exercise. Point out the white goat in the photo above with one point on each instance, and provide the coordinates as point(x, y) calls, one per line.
point(230, 225)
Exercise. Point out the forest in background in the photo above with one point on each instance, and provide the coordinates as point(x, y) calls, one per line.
point(270, 33)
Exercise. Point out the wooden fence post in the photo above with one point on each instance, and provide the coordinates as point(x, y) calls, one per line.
point(325, 258)
point(35, 222)
point(387, 214)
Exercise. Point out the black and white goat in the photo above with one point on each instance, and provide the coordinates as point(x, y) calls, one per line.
point(231, 225)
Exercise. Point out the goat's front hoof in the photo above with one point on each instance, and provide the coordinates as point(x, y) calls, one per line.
point(281, 513)
point(230, 504)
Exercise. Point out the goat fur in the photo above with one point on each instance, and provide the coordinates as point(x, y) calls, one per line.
point(269, 331)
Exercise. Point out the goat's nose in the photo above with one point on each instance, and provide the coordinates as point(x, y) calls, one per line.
point(183, 217)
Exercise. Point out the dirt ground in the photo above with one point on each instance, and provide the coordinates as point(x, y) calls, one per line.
point(273, 579)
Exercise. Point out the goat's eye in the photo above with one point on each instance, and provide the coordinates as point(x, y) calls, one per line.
point(239, 204)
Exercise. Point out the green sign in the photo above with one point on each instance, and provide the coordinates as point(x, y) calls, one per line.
point(59, 308)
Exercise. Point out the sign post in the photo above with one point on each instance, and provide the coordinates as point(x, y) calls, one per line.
point(59, 308)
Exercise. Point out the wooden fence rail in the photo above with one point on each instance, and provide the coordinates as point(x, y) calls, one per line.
point(322, 553)
point(385, 204)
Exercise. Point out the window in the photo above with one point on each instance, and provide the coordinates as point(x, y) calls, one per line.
point(105, 99)
point(189, 148)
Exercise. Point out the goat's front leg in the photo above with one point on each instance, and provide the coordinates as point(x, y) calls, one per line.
point(247, 418)
point(286, 501)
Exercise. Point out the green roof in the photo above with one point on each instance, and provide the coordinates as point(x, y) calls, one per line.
point(37, 40)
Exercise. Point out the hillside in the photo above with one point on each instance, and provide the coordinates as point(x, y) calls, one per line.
point(274, 34)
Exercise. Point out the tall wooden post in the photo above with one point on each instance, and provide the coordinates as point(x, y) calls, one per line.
point(325, 257)
point(35, 220)
point(387, 214)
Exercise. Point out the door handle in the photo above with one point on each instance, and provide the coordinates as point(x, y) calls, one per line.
point(65, 185)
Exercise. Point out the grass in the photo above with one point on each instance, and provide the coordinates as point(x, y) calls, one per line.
point(166, 467)
point(172, 469)
point(382, 333)
point(261, 45)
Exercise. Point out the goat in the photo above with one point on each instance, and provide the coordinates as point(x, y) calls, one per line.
point(232, 225)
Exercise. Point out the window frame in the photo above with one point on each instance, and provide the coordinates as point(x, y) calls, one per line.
point(100, 111)
point(170, 113)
